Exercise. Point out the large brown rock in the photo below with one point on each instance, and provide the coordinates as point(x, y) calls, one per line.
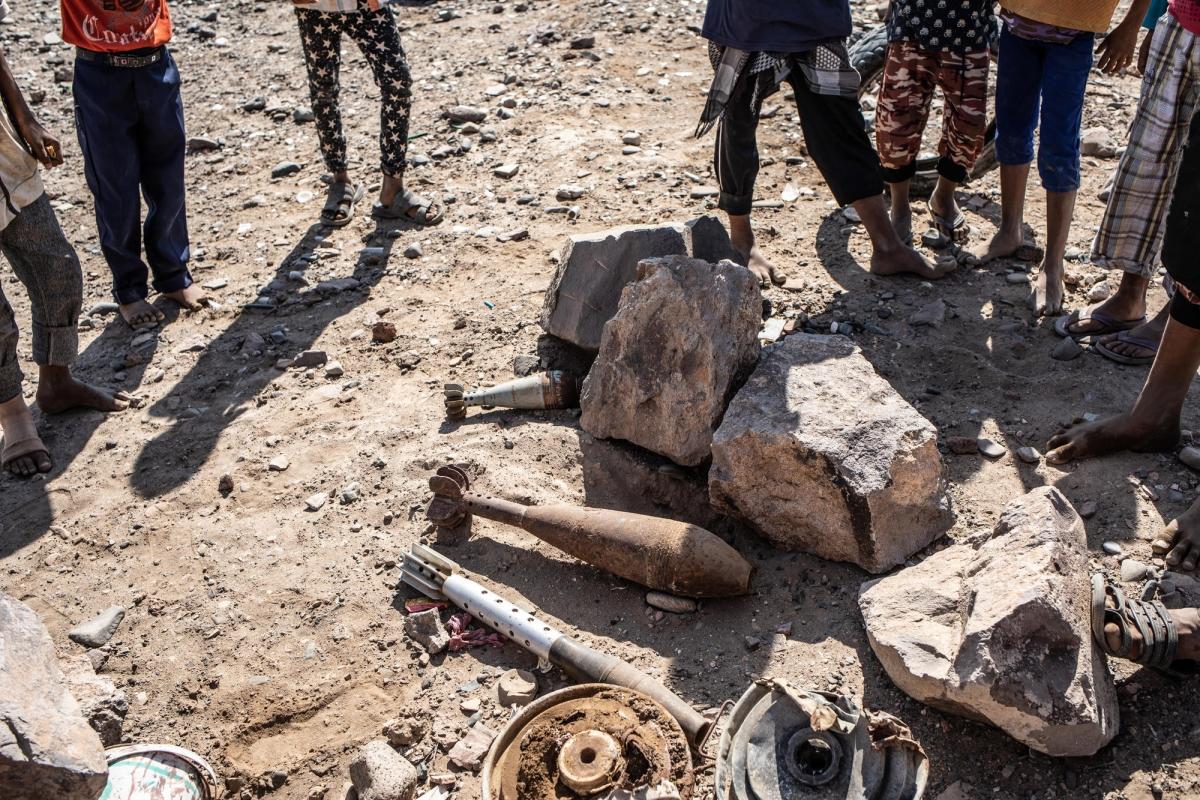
point(1001, 633)
point(821, 455)
point(46, 747)
point(595, 267)
point(683, 338)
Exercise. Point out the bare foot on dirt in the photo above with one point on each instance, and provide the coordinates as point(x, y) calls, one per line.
point(764, 270)
point(1111, 435)
point(191, 298)
point(906, 261)
point(1048, 293)
point(1002, 245)
point(1179, 543)
point(140, 314)
point(16, 420)
point(1187, 623)
point(61, 391)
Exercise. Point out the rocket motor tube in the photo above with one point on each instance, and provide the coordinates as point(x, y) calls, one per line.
point(659, 553)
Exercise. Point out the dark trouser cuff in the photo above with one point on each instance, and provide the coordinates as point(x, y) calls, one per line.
point(951, 171)
point(180, 280)
point(1185, 311)
point(738, 205)
point(55, 346)
point(900, 174)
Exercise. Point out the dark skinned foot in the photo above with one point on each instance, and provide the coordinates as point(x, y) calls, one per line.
point(906, 261)
point(1002, 245)
point(1187, 623)
point(140, 314)
point(1111, 435)
point(55, 397)
point(1179, 543)
point(20, 427)
point(1048, 293)
point(191, 298)
point(1127, 342)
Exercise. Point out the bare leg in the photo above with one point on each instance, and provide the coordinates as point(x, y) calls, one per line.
point(16, 420)
point(1011, 234)
point(943, 203)
point(902, 210)
point(59, 390)
point(741, 234)
point(1152, 425)
point(1048, 292)
point(891, 256)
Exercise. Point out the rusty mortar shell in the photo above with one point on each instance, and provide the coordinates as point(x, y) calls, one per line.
point(547, 390)
point(658, 553)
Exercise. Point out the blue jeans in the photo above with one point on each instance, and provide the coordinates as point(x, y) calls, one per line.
point(1036, 76)
point(130, 126)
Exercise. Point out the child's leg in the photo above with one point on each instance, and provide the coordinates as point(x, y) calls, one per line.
point(904, 98)
point(106, 121)
point(161, 151)
point(1018, 95)
point(1058, 160)
point(963, 79)
point(321, 41)
point(735, 162)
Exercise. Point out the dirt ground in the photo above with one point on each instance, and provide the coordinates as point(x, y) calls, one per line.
point(268, 638)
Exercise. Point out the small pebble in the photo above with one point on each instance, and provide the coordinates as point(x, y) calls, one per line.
point(1029, 455)
point(1190, 456)
point(1112, 548)
point(991, 449)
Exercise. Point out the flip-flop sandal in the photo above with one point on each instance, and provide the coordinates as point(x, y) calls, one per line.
point(1151, 619)
point(402, 206)
point(339, 206)
point(952, 231)
point(1105, 349)
point(1108, 324)
point(18, 449)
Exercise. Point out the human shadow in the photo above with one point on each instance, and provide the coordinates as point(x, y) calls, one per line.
point(279, 324)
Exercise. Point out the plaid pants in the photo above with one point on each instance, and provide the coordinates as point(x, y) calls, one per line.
point(1131, 233)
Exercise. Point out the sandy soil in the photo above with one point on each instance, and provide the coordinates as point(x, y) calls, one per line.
point(268, 637)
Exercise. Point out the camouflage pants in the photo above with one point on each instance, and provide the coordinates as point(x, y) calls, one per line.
point(910, 77)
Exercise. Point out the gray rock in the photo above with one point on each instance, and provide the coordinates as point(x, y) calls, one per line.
point(1066, 350)
point(1029, 455)
point(103, 705)
point(1000, 633)
point(990, 448)
point(1112, 548)
point(684, 335)
point(309, 359)
point(317, 501)
point(821, 455)
point(285, 168)
point(584, 42)
point(595, 267)
point(507, 170)
point(565, 193)
point(1190, 456)
point(98, 630)
point(1134, 570)
point(465, 114)
point(200, 144)
point(525, 365)
point(426, 629)
point(931, 315)
point(516, 688)
point(47, 749)
point(380, 773)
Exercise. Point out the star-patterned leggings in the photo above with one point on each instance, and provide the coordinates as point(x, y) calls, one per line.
point(377, 37)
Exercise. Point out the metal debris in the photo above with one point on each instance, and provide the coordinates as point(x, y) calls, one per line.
point(554, 389)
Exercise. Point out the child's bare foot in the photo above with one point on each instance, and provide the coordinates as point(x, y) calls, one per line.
point(1179, 543)
point(59, 390)
point(906, 261)
point(23, 453)
point(1111, 435)
point(1048, 293)
point(1004, 244)
point(140, 314)
point(764, 270)
point(191, 297)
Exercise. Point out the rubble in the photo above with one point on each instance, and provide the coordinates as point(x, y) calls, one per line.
point(683, 338)
point(102, 704)
point(469, 752)
point(47, 749)
point(821, 455)
point(516, 688)
point(426, 629)
point(97, 631)
point(595, 267)
point(1001, 633)
point(380, 773)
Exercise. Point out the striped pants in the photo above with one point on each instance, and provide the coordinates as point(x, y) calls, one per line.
point(1131, 233)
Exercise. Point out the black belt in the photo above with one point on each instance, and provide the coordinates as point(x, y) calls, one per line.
point(120, 59)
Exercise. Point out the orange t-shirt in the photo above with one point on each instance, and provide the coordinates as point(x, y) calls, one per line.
point(115, 26)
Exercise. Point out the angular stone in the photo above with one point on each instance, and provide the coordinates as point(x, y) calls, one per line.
point(516, 688)
point(822, 455)
point(595, 267)
point(426, 629)
point(380, 773)
point(103, 705)
point(46, 747)
point(97, 631)
point(684, 336)
point(1001, 633)
point(470, 750)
